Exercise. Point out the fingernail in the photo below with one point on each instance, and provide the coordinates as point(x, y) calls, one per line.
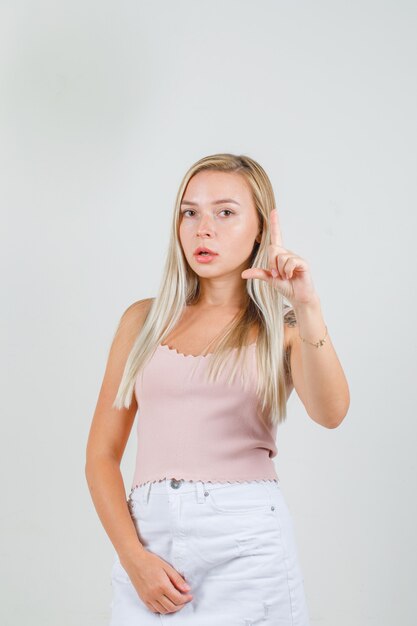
point(274, 273)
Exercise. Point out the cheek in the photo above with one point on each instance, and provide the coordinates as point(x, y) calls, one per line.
point(183, 234)
point(186, 229)
point(242, 237)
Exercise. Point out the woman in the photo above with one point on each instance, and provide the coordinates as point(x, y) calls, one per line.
point(205, 536)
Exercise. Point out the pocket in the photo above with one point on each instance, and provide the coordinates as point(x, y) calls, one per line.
point(132, 505)
point(137, 507)
point(240, 499)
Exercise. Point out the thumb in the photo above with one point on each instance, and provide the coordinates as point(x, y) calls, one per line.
point(256, 272)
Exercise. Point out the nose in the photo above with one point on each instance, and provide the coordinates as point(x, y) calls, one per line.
point(204, 229)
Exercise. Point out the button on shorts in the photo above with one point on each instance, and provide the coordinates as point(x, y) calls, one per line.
point(233, 543)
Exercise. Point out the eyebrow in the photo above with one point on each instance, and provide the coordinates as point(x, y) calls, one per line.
point(223, 200)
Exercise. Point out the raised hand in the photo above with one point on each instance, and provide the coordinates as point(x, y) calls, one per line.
point(287, 272)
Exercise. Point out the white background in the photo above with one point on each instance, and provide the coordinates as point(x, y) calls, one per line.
point(103, 107)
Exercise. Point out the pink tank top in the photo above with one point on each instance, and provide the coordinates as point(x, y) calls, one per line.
point(192, 429)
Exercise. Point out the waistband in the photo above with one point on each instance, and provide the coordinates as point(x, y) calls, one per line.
point(200, 487)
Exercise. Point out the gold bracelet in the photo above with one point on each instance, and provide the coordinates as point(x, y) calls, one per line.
point(319, 343)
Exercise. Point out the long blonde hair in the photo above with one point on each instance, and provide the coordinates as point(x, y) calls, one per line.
point(180, 287)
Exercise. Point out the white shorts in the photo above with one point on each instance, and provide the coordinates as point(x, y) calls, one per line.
point(233, 543)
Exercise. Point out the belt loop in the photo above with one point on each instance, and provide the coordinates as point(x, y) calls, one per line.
point(200, 491)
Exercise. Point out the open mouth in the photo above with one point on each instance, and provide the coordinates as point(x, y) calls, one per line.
point(205, 257)
point(204, 251)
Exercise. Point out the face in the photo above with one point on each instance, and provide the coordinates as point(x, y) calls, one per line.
point(218, 212)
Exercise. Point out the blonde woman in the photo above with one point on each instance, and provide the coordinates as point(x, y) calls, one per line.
point(205, 536)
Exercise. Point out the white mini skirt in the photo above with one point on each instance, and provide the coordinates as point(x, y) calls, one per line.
point(233, 543)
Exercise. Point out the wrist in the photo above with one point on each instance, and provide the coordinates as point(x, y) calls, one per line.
point(133, 554)
point(312, 304)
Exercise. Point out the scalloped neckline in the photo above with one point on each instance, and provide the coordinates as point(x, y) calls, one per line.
point(196, 356)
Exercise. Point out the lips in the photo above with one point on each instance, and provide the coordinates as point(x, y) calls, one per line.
point(203, 249)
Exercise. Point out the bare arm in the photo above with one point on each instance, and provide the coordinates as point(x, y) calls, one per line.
point(109, 433)
point(319, 379)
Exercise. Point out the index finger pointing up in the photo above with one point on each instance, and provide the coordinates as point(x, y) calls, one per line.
point(276, 239)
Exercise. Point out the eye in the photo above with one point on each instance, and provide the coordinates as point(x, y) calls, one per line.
point(222, 211)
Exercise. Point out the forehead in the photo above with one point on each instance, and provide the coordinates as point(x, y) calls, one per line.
point(208, 186)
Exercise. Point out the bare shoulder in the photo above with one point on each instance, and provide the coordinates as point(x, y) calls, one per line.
point(130, 323)
point(136, 313)
point(110, 427)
